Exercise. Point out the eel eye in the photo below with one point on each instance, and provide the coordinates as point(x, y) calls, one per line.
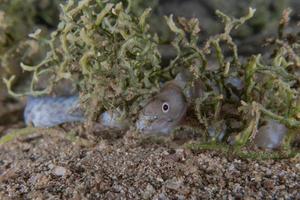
point(165, 107)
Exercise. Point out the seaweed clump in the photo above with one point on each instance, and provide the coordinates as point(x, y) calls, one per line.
point(240, 93)
point(113, 58)
point(19, 18)
point(107, 51)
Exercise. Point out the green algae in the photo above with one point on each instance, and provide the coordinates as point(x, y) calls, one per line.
point(24, 132)
point(18, 19)
point(226, 150)
point(110, 48)
point(271, 87)
point(17, 133)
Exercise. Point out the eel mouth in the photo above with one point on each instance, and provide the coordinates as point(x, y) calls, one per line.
point(153, 124)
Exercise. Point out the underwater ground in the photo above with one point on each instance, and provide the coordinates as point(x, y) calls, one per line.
point(47, 164)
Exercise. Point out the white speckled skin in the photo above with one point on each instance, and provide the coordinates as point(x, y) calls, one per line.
point(271, 135)
point(114, 119)
point(46, 112)
point(51, 111)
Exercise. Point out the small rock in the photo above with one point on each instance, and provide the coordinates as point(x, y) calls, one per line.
point(34, 179)
point(231, 167)
point(149, 192)
point(51, 166)
point(181, 153)
point(165, 153)
point(161, 196)
point(59, 171)
point(268, 184)
point(159, 179)
point(257, 178)
point(174, 184)
point(180, 197)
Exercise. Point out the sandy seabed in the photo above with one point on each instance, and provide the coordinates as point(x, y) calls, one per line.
point(51, 166)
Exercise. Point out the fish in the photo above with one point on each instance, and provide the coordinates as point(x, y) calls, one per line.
point(46, 112)
point(163, 112)
point(270, 135)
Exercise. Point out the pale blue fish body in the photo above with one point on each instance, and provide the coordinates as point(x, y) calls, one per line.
point(46, 112)
point(271, 135)
point(52, 111)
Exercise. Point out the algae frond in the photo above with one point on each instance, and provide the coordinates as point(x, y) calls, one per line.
point(254, 89)
point(18, 18)
point(110, 49)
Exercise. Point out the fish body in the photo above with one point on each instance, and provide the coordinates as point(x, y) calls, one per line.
point(114, 119)
point(270, 135)
point(46, 112)
point(52, 111)
point(161, 114)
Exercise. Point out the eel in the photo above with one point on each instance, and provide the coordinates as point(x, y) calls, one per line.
point(161, 114)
